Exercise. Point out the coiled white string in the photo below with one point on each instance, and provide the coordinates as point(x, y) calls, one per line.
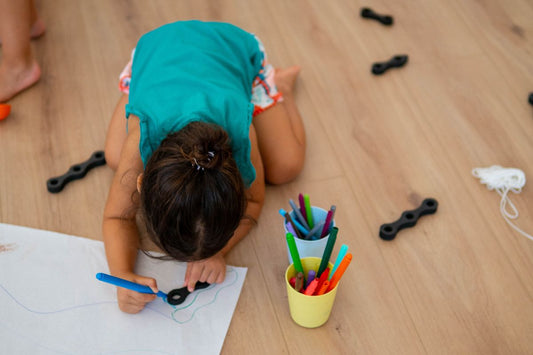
point(504, 180)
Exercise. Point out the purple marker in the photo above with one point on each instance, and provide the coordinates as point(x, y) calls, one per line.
point(310, 277)
point(290, 229)
point(327, 223)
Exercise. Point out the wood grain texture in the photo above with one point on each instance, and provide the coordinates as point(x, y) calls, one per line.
point(459, 282)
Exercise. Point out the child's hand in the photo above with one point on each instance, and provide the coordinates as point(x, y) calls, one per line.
point(211, 270)
point(131, 301)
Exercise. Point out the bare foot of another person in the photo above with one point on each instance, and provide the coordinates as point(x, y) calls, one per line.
point(285, 79)
point(37, 30)
point(17, 78)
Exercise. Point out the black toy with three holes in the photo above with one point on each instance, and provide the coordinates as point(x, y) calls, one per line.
point(408, 219)
point(56, 184)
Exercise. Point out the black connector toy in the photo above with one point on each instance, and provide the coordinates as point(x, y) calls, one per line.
point(396, 62)
point(56, 184)
point(178, 295)
point(371, 14)
point(408, 219)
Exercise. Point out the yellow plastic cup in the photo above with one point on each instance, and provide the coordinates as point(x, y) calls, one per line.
point(309, 311)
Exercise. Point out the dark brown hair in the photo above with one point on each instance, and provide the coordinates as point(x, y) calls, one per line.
point(192, 194)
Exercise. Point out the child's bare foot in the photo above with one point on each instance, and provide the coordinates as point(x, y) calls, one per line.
point(14, 79)
point(37, 30)
point(285, 79)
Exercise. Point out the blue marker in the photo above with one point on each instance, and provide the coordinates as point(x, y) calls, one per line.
point(342, 253)
point(174, 297)
point(128, 284)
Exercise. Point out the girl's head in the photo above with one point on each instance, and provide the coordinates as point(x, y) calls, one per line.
point(192, 196)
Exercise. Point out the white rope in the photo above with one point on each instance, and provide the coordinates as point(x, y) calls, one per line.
point(504, 180)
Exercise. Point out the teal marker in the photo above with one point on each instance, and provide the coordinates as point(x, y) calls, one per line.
point(294, 253)
point(342, 252)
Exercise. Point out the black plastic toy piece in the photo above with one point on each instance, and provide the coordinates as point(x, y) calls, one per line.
point(178, 295)
point(371, 14)
point(408, 219)
point(395, 62)
point(56, 184)
point(531, 98)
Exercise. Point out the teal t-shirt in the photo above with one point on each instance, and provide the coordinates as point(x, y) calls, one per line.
point(195, 71)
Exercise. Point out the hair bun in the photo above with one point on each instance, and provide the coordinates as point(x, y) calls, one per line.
point(202, 161)
point(210, 148)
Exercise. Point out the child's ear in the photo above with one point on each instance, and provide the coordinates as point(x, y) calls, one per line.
point(139, 182)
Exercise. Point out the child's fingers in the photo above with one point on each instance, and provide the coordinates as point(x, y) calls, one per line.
point(133, 297)
point(143, 298)
point(214, 276)
point(195, 275)
point(220, 278)
point(147, 281)
point(187, 274)
point(133, 302)
point(129, 308)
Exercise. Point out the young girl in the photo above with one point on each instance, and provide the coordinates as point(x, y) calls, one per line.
point(206, 126)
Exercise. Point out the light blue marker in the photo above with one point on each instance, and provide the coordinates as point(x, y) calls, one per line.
point(296, 223)
point(342, 253)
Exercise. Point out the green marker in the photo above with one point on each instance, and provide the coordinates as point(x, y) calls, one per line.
point(294, 253)
point(328, 250)
point(308, 211)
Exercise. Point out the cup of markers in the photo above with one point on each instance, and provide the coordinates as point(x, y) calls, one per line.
point(310, 225)
point(312, 282)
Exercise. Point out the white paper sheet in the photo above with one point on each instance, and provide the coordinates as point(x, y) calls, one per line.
point(52, 303)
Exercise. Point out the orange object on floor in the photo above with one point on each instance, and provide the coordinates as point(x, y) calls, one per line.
point(5, 109)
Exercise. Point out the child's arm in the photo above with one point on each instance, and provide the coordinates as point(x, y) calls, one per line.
point(213, 270)
point(120, 232)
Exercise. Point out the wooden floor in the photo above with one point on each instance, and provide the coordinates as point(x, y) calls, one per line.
point(460, 282)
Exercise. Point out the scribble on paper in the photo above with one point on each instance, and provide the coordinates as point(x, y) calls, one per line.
point(7, 247)
point(173, 315)
point(185, 313)
point(181, 314)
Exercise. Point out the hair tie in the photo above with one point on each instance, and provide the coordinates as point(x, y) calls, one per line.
point(198, 166)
